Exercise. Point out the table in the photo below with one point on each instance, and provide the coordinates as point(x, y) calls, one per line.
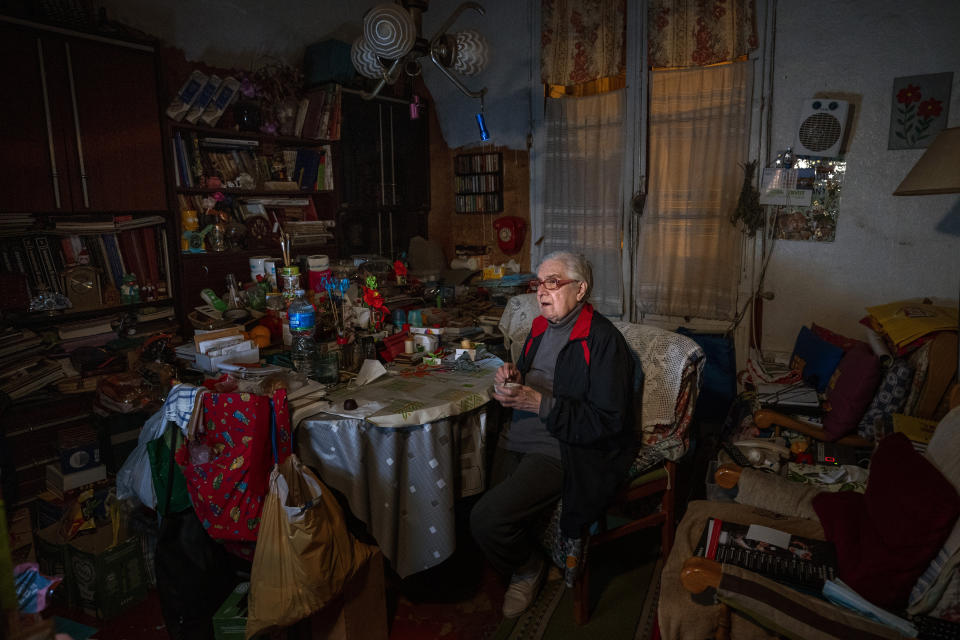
point(415, 443)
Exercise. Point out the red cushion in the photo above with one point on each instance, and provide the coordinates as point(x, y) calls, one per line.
point(886, 537)
point(850, 391)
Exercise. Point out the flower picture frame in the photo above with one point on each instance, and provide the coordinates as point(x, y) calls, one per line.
point(918, 109)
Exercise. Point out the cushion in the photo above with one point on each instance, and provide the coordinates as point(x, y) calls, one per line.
point(832, 337)
point(815, 359)
point(889, 398)
point(943, 451)
point(850, 391)
point(887, 536)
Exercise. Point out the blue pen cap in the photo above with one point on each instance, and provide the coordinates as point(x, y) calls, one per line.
point(484, 134)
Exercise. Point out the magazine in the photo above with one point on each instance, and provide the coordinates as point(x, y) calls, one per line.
point(801, 563)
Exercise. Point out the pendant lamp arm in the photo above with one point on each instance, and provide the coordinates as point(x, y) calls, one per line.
point(452, 78)
point(387, 74)
point(453, 18)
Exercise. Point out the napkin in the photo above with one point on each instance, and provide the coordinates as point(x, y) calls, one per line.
point(370, 370)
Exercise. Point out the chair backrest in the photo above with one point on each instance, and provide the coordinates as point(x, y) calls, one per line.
point(672, 365)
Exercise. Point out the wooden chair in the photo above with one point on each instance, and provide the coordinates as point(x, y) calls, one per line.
point(768, 418)
point(666, 395)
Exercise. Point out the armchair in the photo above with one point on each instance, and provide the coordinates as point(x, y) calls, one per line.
point(902, 524)
point(667, 385)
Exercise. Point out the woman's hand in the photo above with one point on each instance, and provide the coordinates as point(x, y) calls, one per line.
point(507, 372)
point(518, 397)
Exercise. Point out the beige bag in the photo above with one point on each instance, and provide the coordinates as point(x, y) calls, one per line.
point(304, 552)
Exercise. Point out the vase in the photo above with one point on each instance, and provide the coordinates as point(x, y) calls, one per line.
point(246, 113)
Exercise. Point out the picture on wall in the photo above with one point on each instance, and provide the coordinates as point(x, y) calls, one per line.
point(818, 221)
point(918, 109)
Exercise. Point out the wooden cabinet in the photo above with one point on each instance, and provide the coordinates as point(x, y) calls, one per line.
point(80, 126)
point(385, 192)
point(385, 156)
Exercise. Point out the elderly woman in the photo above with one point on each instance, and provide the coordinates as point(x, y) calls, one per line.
point(571, 434)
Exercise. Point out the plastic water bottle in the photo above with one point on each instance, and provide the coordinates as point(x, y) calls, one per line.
point(303, 348)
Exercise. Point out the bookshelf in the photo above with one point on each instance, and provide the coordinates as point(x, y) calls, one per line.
point(478, 182)
point(286, 179)
point(85, 200)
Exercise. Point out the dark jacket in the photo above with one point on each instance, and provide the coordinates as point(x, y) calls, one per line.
point(592, 416)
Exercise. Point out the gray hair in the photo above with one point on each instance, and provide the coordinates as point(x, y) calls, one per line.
point(575, 266)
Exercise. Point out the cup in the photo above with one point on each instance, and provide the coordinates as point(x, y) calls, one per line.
point(327, 368)
point(258, 267)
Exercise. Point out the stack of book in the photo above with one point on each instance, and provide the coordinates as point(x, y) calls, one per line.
point(115, 245)
point(24, 367)
point(801, 563)
point(25, 377)
point(319, 114)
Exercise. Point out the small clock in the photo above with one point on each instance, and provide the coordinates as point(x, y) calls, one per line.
point(258, 230)
point(83, 287)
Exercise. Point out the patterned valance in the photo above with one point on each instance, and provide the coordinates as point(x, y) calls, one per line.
point(582, 40)
point(696, 33)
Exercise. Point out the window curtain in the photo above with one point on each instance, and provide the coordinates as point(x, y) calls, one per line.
point(582, 40)
point(688, 261)
point(581, 195)
point(687, 33)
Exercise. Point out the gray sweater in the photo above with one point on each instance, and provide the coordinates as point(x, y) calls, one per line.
point(527, 432)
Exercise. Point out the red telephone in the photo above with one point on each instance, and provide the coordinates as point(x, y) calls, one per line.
point(510, 233)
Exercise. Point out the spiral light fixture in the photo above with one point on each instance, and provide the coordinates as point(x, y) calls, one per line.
point(392, 43)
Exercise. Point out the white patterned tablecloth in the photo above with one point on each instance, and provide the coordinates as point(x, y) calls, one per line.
point(415, 443)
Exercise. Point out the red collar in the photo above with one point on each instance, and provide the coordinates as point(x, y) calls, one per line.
point(581, 328)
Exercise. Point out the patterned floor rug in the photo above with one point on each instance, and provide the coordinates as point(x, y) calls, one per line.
point(624, 574)
point(647, 628)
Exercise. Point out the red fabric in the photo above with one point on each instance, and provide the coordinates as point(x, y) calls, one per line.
point(886, 537)
point(832, 337)
point(228, 491)
point(850, 391)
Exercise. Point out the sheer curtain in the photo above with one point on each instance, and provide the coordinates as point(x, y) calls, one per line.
point(688, 251)
point(581, 197)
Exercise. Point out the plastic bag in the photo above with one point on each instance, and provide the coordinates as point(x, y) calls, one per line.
point(134, 479)
point(33, 588)
point(304, 554)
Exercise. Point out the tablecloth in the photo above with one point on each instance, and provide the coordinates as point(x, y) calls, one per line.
point(415, 443)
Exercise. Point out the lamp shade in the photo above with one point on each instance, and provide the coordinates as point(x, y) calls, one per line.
point(389, 30)
point(937, 170)
point(365, 59)
point(472, 52)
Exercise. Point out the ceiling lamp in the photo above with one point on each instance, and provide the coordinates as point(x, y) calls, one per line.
point(392, 43)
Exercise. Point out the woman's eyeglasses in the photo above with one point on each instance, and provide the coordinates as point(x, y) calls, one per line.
point(550, 284)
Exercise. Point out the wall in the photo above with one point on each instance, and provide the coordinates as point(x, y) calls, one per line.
point(450, 229)
point(241, 33)
point(887, 247)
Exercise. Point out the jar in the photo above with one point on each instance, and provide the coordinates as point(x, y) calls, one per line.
point(289, 282)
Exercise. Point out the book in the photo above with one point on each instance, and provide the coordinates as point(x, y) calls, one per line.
point(798, 562)
point(918, 430)
point(35, 273)
point(86, 328)
point(51, 270)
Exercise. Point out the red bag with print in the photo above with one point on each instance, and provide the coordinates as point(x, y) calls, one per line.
point(228, 460)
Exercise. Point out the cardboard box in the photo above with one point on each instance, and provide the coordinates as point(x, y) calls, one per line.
point(106, 581)
point(360, 614)
point(212, 364)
